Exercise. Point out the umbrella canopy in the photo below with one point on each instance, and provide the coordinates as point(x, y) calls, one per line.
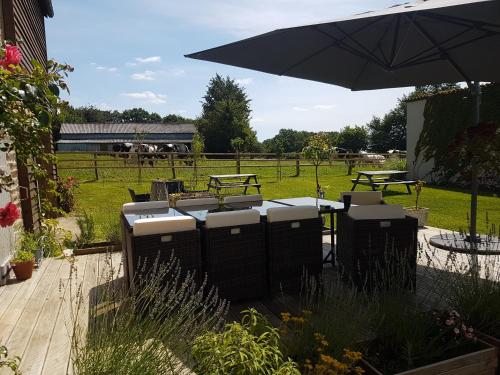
point(420, 43)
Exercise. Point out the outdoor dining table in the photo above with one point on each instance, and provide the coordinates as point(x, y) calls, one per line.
point(131, 218)
point(200, 212)
point(375, 179)
point(325, 207)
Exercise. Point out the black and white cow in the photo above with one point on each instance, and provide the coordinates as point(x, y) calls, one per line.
point(179, 148)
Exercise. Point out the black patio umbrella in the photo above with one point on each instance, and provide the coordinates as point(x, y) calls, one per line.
point(420, 43)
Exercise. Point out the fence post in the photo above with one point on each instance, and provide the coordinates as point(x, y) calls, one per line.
point(172, 164)
point(278, 167)
point(238, 162)
point(139, 165)
point(95, 167)
point(297, 165)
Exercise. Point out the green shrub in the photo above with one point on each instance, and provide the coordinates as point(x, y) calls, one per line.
point(148, 332)
point(111, 229)
point(51, 238)
point(86, 224)
point(248, 348)
point(23, 256)
point(395, 163)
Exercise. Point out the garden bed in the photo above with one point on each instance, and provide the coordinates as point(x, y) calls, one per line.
point(98, 248)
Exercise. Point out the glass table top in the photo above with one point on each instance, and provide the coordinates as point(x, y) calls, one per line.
point(311, 201)
point(260, 206)
point(131, 218)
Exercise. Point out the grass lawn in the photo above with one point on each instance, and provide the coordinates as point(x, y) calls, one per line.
point(449, 207)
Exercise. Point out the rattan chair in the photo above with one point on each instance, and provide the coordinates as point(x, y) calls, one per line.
point(294, 246)
point(243, 198)
point(377, 247)
point(362, 198)
point(157, 239)
point(138, 197)
point(196, 202)
point(235, 254)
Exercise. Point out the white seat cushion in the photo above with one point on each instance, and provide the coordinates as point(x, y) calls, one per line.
point(196, 202)
point(141, 206)
point(291, 213)
point(363, 197)
point(159, 225)
point(232, 218)
point(377, 212)
point(243, 198)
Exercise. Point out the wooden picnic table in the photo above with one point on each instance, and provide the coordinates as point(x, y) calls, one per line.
point(224, 181)
point(374, 179)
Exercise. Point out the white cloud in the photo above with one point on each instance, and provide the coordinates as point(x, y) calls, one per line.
point(131, 64)
point(147, 97)
point(300, 109)
point(177, 72)
point(112, 69)
point(93, 64)
point(104, 68)
point(244, 81)
point(147, 75)
point(100, 68)
point(146, 60)
point(324, 106)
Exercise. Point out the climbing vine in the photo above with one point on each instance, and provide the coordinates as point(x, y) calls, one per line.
point(446, 118)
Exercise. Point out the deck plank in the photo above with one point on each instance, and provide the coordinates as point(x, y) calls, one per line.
point(36, 350)
point(59, 348)
point(19, 300)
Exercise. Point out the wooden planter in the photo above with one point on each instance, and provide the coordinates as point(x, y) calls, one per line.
point(97, 248)
point(481, 362)
point(493, 341)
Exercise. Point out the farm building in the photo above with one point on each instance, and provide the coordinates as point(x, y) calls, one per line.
point(101, 137)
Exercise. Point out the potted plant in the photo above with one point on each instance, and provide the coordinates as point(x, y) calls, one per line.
point(420, 213)
point(32, 243)
point(412, 342)
point(317, 150)
point(23, 264)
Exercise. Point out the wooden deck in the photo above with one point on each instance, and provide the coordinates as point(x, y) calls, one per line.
point(35, 315)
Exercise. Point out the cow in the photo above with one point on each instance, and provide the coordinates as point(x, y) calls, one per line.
point(372, 158)
point(181, 149)
point(148, 152)
point(123, 147)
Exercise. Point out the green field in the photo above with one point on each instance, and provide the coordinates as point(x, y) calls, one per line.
point(103, 198)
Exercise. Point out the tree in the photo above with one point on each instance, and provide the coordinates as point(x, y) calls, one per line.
point(287, 140)
point(353, 138)
point(176, 119)
point(390, 131)
point(226, 116)
point(137, 115)
point(317, 150)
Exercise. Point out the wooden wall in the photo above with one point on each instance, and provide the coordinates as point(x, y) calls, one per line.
point(24, 25)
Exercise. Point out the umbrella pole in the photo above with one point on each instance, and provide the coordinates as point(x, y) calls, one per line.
point(476, 100)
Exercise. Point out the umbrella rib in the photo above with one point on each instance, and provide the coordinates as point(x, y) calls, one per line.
point(438, 46)
point(336, 42)
point(395, 39)
point(463, 21)
point(422, 54)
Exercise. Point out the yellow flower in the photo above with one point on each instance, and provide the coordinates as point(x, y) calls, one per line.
point(285, 316)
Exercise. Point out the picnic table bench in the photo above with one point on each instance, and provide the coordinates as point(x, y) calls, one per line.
point(226, 181)
point(374, 179)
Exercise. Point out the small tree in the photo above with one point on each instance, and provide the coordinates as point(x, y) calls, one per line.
point(317, 150)
point(197, 148)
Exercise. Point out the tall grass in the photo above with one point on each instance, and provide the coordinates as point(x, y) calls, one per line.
point(146, 332)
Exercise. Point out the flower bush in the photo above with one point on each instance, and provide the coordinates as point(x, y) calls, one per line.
point(65, 190)
point(28, 102)
point(8, 215)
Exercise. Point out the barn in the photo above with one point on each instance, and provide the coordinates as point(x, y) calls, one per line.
point(101, 137)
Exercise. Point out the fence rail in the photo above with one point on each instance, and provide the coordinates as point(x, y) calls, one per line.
point(179, 162)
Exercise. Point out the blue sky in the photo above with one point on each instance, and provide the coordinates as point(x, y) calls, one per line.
point(130, 53)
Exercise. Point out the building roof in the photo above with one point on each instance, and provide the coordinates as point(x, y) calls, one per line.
point(47, 9)
point(128, 128)
point(108, 141)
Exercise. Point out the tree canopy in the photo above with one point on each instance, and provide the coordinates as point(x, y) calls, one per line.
point(226, 116)
point(353, 138)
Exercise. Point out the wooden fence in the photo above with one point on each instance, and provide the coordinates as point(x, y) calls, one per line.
point(229, 162)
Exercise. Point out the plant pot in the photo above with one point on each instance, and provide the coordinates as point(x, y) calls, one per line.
point(23, 270)
point(483, 362)
point(421, 214)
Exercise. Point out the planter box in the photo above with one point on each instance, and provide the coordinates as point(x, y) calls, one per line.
point(97, 248)
point(422, 214)
point(481, 362)
point(493, 341)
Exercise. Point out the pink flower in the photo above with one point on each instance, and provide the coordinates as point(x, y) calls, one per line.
point(8, 215)
point(456, 331)
point(12, 56)
point(449, 322)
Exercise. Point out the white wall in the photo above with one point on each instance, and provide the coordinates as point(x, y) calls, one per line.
point(417, 168)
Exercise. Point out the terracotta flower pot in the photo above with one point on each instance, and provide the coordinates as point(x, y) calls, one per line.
point(421, 214)
point(23, 270)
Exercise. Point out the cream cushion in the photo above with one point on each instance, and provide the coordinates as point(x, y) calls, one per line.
point(159, 225)
point(377, 212)
point(363, 197)
point(243, 198)
point(196, 202)
point(232, 218)
point(141, 206)
point(292, 213)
